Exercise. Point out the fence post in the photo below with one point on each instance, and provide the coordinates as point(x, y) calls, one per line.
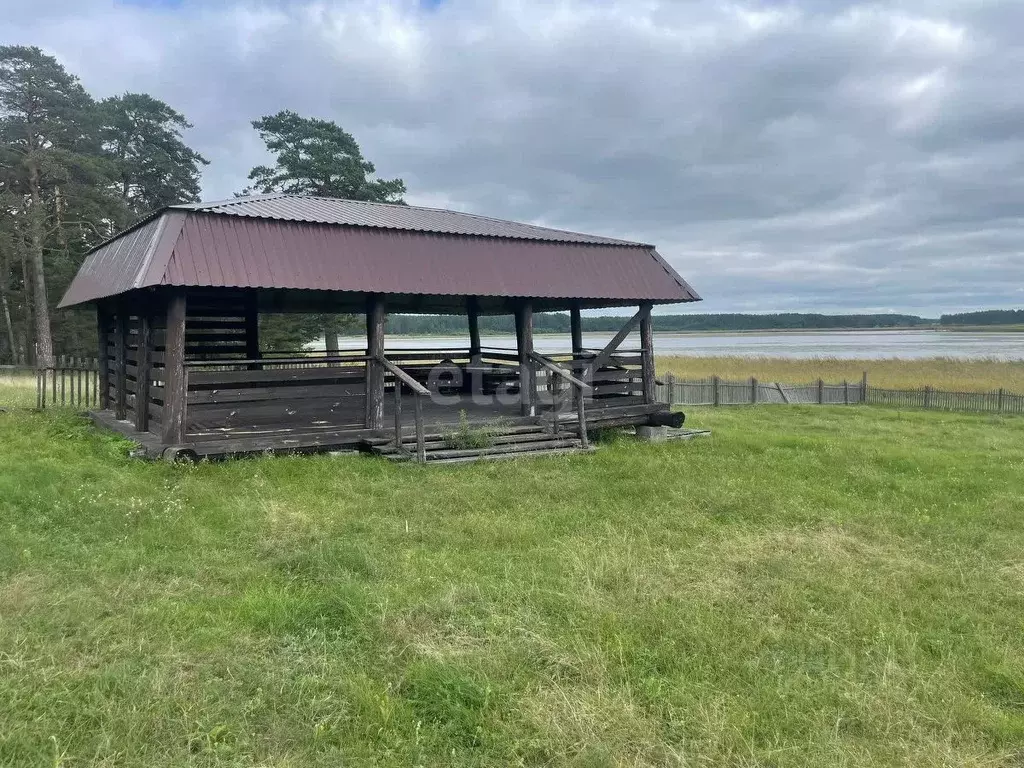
point(40, 388)
point(927, 397)
point(1000, 400)
point(821, 392)
point(846, 392)
point(63, 382)
point(864, 387)
point(753, 391)
point(714, 390)
point(670, 386)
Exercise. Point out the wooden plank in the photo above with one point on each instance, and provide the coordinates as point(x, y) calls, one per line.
point(200, 379)
point(280, 410)
point(402, 376)
point(374, 369)
point(176, 377)
point(602, 357)
point(258, 394)
point(142, 379)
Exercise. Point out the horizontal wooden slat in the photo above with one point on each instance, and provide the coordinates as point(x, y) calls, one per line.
point(200, 379)
point(258, 394)
point(276, 411)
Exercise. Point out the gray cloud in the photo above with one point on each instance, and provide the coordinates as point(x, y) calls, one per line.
point(809, 154)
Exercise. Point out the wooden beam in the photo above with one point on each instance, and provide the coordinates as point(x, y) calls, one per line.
point(647, 353)
point(175, 381)
point(120, 369)
point(605, 354)
point(473, 316)
point(576, 329)
point(103, 361)
point(374, 370)
point(524, 345)
point(143, 364)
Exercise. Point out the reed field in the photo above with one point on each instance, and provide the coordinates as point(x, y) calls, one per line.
point(809, 586)
point(896, 373)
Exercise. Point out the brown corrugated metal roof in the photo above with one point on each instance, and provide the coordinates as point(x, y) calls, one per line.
point(414, 254)
point(357, 213)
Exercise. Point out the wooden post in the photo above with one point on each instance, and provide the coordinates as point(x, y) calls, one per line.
point(927, 397)
point(103, 361)
point(647, 353)
point(374, 370)
point(398, 416)
point(864, 387)
point(581, 420)
point(63, 383)
point(40, 388)
point(670, 387)
point(714, 390)
point(753, 391)
point(143, 364)
point(846, 392)
point(120, 375)
point(175, 376)
point(999, 404)
point(473, 318)
point(252, 328)
point(576, 330)
point(421, 447)
point(524, 345)
point(821, 392)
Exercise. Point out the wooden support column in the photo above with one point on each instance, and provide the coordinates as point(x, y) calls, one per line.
point(120, 362)
point(175, 381)
point(374, 370)
point(524, 344)
point(473, 316)
point(252, 328)
point(647, 352)
point(143, 364)
point(103, 361)
point(576, 330)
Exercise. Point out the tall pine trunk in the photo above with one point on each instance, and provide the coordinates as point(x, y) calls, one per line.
point(44, 336)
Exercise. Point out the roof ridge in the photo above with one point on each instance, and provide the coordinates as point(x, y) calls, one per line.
point(481, 217)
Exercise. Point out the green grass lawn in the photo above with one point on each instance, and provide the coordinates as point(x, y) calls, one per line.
point(808, 587)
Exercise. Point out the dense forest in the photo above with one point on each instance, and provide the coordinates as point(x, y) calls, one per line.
point(986, 317)
point(559, 323)
point(76, 168)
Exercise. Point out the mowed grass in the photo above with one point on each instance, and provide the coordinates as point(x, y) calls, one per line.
point(17, 390)
point(807, 587)
point(894, 373)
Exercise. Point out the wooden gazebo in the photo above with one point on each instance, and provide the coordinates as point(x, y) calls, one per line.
point(179, 295)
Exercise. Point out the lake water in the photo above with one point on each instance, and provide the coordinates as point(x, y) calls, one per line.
point(806, 344)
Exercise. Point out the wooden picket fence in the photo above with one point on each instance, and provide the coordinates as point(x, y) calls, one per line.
point(73, 382)
point(717, 391)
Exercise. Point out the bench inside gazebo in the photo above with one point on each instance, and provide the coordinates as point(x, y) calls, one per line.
point(179, 296)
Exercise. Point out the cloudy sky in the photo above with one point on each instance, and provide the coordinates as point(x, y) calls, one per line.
point(813, 155)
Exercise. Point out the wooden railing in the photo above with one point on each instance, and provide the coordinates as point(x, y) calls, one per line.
point(418, 391)
point(582, 391)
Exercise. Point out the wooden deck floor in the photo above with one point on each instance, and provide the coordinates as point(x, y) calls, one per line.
point(343, 428)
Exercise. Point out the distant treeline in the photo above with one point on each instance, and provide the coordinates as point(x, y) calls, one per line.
point(437, 325)
point(988, 317)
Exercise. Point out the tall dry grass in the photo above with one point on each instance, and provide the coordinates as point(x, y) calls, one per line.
point(896, 373)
